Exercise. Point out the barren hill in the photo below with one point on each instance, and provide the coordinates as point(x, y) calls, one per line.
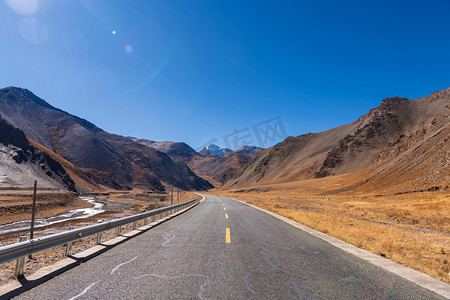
point(114, 161)
point(416, 161)
point(345, 149)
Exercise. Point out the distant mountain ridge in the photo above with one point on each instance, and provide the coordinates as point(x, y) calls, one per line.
point(248, 150)
point(114, 161)
point(212, 150)
point(216, 168)
point(385, 144)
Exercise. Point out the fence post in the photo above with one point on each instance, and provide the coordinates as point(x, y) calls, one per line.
point(20, 264)
point(69, 244)
point(33, 211)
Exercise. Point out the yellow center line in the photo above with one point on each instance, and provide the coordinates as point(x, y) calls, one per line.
point(224, 208)
point(226, 216)
point(228, 238)
point(223, 204)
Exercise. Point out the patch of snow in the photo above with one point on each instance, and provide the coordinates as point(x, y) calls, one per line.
point(219, 151)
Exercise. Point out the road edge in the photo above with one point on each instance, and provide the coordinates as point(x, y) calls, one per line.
point(426, 281)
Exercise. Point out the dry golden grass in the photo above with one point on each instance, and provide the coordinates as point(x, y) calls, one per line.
point(412, 229)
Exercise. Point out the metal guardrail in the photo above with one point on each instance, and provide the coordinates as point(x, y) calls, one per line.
point(24, 248)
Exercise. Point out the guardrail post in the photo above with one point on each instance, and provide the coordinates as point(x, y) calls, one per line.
point(119, 230)
point(20, 264)
point(134, 225)
point(99, 238)
point(145, 221)
point(153, 218)
point(69, 244)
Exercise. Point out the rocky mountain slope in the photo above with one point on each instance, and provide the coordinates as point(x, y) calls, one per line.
point(21, 163)
point(418, 160)
point(248, 150)
point(112, 160)
point(345, 149)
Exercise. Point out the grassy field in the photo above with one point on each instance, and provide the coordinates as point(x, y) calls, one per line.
point(412, 229)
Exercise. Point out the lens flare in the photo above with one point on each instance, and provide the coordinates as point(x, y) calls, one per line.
point(74, 41)
point(154, 74)
point(24, 7)
point(114, 32)
point(128, 49)
point(33, 31)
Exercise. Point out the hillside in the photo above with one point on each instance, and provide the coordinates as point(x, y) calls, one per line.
point(178, 151)
point(22, 163)
point(345, 149)
point(412, 162)
point(84, 181)
point(112, 160)
point(220, 169)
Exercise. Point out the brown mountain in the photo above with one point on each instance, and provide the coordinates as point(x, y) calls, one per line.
point(217, 169)
point(178, 151)
point(114, 161)
point(345, 149)
point(84, 181)
point(418, 160)
point(220, 169)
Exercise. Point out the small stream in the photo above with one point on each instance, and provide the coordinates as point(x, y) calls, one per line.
point(69, 215)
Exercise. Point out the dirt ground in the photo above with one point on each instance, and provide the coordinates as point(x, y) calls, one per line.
point(17, 205)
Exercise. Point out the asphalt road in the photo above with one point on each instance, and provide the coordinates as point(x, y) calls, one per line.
point(247, 255)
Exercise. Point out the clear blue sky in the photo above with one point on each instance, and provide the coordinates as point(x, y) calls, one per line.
point(195, 70)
